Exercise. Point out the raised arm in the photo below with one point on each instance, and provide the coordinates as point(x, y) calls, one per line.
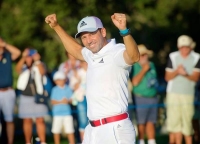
point(70, 44)
point(36, 57)
point(131, 54)
point(137, 78)
point(15, 52)
point(21, 62)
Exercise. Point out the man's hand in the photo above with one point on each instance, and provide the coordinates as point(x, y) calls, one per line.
point(25, 52)
point(64, 100)
point(36, 57)
point(51, 20)
point(119, 20)
point(146, 67)
point(181, 70)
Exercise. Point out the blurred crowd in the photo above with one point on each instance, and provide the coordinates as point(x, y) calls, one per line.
point(62, 92)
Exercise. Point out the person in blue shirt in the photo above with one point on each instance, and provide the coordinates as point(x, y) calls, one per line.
point(8, 54)
point(62, 115)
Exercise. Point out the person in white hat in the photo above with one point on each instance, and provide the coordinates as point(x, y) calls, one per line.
point(61, 98)
point(107, 75)
point(144, 79)
point(182, 73)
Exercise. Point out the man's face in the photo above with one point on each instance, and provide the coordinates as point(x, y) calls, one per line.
point(29, 61)
point(60, 82)
point(185, 51)
point(94, 41)
point(143, 58)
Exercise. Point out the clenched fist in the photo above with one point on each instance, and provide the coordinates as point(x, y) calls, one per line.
point(51, 20)
point(119, 20)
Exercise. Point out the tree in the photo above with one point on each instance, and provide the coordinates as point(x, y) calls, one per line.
point(156, 23)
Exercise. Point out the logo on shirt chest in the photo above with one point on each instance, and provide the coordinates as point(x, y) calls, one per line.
point(4, 61)
point(101, 61)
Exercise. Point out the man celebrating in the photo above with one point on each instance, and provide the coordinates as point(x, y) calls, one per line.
point(107, 74)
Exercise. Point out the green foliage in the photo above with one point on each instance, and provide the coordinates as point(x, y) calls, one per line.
point(156, 23)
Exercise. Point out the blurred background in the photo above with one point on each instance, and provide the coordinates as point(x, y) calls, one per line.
point(155, 23)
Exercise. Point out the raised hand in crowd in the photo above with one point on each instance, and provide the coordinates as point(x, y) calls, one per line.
point(181, 70)
point(15, 52)
point(146, 66)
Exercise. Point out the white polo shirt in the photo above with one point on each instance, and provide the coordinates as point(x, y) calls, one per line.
point(106, 84)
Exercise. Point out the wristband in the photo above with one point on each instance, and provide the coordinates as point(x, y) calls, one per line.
point(124, 32)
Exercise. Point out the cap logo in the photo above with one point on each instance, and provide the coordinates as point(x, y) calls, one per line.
point(82, 24)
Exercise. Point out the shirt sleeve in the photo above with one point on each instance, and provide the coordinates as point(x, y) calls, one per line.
point(119, 56)
point(197, 66)
point(169, 66)
point(85, 54)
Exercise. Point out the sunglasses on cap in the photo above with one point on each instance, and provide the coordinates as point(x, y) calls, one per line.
point(32, 52)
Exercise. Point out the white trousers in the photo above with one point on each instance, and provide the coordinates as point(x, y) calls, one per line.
point(120, 132)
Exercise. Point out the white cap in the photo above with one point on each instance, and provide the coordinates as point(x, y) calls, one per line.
point(59, 75)
point(88, 24)
point(143, 50)
point(185, 40)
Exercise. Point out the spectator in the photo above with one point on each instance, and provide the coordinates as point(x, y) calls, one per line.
point(31, 70)
point(79, 97)
point(182, 73)
point(60, 99)
point(144, 89)
point(8, 53)
point(69, 66)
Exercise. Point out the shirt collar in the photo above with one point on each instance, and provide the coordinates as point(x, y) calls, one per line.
point(110, 44)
